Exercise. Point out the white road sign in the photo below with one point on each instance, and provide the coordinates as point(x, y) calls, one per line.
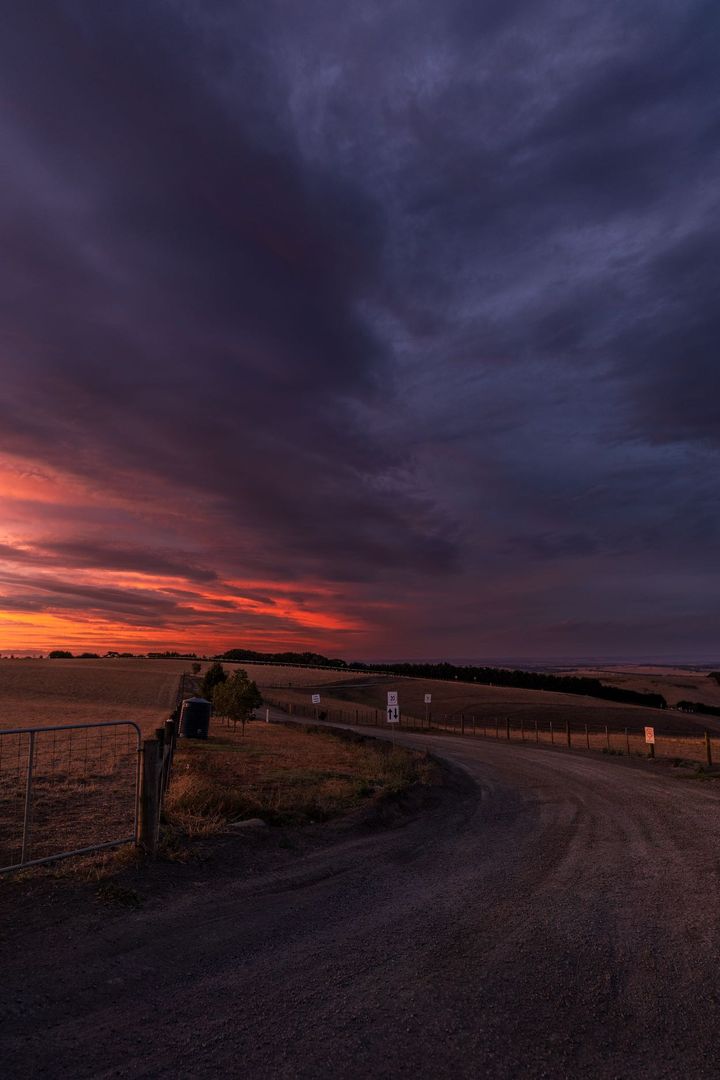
point(392, 697)
point(393, 715)
point(428, 699)
point(316, 699)
point(650, 735)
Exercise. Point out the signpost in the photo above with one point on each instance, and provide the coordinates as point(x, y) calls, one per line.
point(392, 697)
point(316, 702)
point(428, 699)
point(393, 712)
point(650, 739)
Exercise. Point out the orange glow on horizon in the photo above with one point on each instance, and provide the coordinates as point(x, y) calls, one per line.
point(50, 601)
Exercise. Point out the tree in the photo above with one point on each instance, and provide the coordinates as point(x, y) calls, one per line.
point(236, 698)
point(214, 676)
point(60, 654)
point(196, 668)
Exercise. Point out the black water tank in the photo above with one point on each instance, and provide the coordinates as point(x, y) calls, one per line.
point(195, 718)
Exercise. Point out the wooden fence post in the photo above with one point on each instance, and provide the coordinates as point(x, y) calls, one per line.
point(627, 742)
point(149, 817)
point(708, 748)
point(552, 733)
point(567, 732)
point(462, 723)
point(537, 732)
point(169, 754)
point(522, 729)
point(507, 727)
point(607, 736)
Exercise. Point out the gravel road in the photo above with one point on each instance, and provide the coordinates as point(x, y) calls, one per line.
point(558, 917)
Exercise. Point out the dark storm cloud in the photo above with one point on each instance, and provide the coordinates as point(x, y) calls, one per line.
point(77, 553)
point(374, 294)
point(90, 597)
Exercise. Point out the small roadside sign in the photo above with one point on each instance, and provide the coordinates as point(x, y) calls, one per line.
point(392, 697)
point(316, 699)
point(428, 699)
point(650, 735)
point(393, 714)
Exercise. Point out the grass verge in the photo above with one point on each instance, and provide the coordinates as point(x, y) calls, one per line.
point(285, 775)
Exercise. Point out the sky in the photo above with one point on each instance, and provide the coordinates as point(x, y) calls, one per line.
point(386, 328)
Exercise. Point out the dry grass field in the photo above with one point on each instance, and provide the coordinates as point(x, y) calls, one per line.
point(675, 684)
point(273, 676)
point(47, 692)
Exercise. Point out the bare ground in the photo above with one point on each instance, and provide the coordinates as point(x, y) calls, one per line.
point(552, 915)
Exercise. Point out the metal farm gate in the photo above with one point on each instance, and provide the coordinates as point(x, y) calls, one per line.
point(67, 790)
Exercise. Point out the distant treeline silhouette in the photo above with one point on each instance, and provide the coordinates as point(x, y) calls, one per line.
point(698, 706)
point(304, 659)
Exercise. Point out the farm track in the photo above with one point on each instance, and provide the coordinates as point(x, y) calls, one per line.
point(558, 918)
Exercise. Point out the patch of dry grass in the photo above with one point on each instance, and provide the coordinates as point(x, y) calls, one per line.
point(283, 775)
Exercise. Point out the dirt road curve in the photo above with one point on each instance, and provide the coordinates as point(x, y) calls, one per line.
point(558, 920)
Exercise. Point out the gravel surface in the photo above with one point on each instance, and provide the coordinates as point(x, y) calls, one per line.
point(558, 917)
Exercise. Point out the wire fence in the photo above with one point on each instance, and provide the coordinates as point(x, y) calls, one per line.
point(703, 748)
point(67, 789)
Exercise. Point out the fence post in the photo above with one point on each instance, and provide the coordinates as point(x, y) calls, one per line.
point(708, 748)
point(607, 736)
point(567, 732)
point(507, 727)
point(170, 742)
point(587, 737)
point(627, 742)
point(522, 729)
point(537, 732)
point(474, 730)
point(497, 727)
point(462, 723)
point(149, 819)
